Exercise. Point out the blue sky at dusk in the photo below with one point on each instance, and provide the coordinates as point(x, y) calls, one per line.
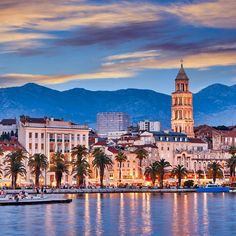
point(109, 45)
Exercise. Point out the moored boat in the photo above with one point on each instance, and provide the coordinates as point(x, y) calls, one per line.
point(32, 201)
point(213, 188)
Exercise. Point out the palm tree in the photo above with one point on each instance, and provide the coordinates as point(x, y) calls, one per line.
point(59, 166)
point(38, 162)
point(80, 166)
point(215, 170)
point(161, 166)
point(199, 173)
point(152, 171)
point(1, 154)
point(141, 154)
point(14, 162)
point(231, 164)
point(179, 171)
point(232, 150)
point(101, 161)
point(120, 158)
point(0, 169)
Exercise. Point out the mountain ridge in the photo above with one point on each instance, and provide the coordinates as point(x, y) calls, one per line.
point(212, 104)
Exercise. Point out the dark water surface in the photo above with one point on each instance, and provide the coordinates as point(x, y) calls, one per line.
point(126, 214)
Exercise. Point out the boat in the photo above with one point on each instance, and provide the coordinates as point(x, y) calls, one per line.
point(213, 188)
point(32, 201)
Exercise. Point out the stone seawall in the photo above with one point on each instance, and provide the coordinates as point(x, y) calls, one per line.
point(115, 190)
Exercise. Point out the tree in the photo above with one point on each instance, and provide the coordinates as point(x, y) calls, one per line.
point(14, 162)
point(38, 162)
point(231, 164)
point(80, 166)
point(1, 154)
point(161, 166)
point(59, 166)
point(200, 175)
point(232, 150)
point(152, 171)
point(214, 169)
point(141, 154)
point(179, 171)
point(120, 158)
point(189, 183)
point(101, 161)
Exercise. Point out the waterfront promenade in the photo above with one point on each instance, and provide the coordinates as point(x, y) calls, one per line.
point(104, 190)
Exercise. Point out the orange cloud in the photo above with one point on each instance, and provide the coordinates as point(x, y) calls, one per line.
point(18, 79)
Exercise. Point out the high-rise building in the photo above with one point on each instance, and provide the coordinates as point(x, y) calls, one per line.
point(182, 105)
point(151, 126)
point(112, 121)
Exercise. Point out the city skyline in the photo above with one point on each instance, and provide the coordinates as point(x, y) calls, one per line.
point(114, 45)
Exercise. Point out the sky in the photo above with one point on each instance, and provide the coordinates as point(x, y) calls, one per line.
point(110, 45)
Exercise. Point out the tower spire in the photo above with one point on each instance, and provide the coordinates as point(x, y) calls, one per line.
point(181, 62)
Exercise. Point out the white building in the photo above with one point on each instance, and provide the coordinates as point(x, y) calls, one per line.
point(151, 126)
point(7, 126)
point(49, 135)
point(115, 134)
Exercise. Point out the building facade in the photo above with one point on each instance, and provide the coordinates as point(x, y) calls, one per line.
point(8, 126)
point(49, 135)
point(111, 122)
point(182, 105)
point(150, 126)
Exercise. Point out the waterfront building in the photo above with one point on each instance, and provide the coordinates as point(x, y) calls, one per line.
point(111, 122)
point(130, 169)
point(182, 105)
point(8, 126)
point(8, 146)
point(151, 126)
point(224, 139)
point(50, 135)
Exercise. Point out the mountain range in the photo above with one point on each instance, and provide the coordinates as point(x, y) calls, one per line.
point(213, 105)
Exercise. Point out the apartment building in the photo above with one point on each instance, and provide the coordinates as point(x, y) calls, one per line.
point(49, 135)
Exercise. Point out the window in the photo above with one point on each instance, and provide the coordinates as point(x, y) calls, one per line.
point(78, 137)
point(30, 145)
point(30, 135)
point(36, 135)
point(42, 135)
point(36, 146)
point(42, 146)
point(84, 137)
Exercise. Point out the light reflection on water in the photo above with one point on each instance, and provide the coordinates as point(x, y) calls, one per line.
point(126, 214)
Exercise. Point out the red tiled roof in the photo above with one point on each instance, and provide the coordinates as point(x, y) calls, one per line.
point(8, 122)
point(113, 150)
point(101, 143)
point(228, 133)
point(9, 145)
point(196, 140)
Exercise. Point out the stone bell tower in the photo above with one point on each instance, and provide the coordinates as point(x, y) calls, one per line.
point(182, 105)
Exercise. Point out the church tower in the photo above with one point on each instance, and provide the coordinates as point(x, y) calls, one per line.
point(182, 105)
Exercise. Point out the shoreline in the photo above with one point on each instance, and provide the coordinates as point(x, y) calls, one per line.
point(84, 191)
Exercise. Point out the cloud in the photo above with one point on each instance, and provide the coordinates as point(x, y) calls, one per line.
point(19, 79)
point(199, 61)
point(132, 55)
point(216, 13)
point(106, 21)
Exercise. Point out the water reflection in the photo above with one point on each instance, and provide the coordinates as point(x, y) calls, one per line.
point(126, 214)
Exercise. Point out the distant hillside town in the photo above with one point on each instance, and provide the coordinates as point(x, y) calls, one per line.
point(131, 148)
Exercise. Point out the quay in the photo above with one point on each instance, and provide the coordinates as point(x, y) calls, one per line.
point(104, 190)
